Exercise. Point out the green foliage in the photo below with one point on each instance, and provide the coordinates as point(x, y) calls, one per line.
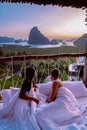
point(1, 52)
point(64, 76)
point(11, 82)
point(43, 67)
point(9, 50)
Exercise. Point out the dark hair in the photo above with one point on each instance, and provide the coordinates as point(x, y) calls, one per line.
point(55, 73)
point(26, 86)
point(30, 73)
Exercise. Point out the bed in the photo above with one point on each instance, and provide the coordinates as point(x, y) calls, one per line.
point(78, 89)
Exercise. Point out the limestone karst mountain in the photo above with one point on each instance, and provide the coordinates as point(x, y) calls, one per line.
point(37, 38)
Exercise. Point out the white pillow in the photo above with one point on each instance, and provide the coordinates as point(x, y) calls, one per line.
point(45, 88)
point(14, 90)
point(76, 87)
point(6, 96)
point(48, 78)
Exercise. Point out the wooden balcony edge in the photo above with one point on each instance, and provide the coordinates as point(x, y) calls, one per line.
point(37, 57)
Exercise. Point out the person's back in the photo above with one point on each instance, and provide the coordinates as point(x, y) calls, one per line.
point(55, 85)
point(28, 84)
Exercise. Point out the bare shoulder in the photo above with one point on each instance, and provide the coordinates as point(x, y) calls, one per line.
point(57, 83)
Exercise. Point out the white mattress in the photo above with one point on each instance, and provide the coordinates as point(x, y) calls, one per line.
point(1, 104)
point(82, 100)
point(74, 126)
point(78, 90)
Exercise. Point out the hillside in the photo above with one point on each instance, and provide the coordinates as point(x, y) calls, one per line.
point(82, 41)
point(15, 50)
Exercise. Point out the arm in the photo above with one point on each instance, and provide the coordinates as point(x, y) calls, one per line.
point(54, 92)
point(25, 97)
point(35, 87)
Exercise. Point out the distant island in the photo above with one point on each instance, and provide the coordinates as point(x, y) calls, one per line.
point(5, 39)
point(37, 38)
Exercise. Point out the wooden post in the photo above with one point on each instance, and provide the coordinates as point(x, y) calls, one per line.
point(85, 69)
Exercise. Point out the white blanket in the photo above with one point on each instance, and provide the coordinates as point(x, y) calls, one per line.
point(18, 114)
point(62, 114)
point(64, 110)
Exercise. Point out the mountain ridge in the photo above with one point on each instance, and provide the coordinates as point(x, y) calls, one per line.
point(37, 38)
point(6, 39)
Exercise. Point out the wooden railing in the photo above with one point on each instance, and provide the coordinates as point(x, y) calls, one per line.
point(48, 57)
point(28, 57)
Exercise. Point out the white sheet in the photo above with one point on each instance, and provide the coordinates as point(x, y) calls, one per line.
point(21, 115)
point(82, 101)
point(64, 110)
point(18, 115)
point(76, 87)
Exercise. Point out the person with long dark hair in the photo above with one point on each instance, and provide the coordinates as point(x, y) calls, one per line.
point(28, 84)
point(18, 114)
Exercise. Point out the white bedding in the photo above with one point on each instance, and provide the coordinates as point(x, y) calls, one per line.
point(76, 87)
point(19, 114)
point(82, 101)
point(72, 126)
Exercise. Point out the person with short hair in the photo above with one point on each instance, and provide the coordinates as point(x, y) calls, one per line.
point(61, 107)
point(56, 84)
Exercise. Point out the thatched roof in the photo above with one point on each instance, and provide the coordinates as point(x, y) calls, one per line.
point(67, 3)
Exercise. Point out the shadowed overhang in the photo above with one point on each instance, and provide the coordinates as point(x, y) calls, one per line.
point(67, 3)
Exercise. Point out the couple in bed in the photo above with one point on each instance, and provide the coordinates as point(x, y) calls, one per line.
point(24, 112)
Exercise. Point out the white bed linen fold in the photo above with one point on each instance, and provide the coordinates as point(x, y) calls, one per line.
point(62, 114)
point(18, 115)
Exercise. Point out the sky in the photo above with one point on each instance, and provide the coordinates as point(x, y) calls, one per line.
point(16, 20)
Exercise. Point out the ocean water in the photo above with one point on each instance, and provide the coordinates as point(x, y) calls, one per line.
point(13, 43)
point(38, 46)
point(46, 46)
